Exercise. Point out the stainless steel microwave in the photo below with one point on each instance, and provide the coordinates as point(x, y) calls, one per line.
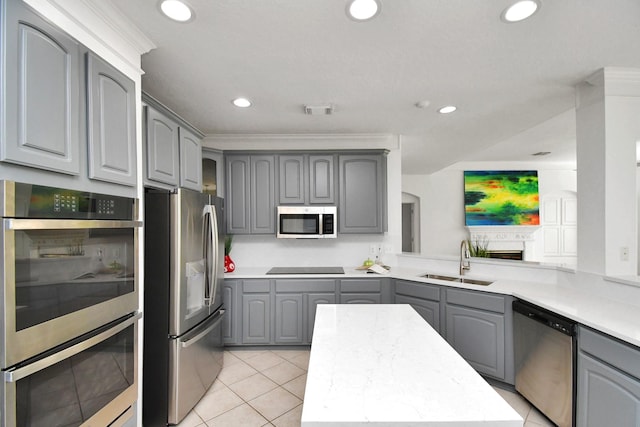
point(307, 222)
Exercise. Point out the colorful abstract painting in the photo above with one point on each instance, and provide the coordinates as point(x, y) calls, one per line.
point(501, 198)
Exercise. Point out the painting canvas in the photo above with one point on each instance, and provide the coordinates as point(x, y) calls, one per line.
point(501, 198)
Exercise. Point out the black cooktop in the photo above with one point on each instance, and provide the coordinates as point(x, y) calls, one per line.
point(306, 270)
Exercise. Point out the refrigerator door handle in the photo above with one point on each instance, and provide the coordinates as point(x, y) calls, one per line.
point(200, 335)
point(211, 257)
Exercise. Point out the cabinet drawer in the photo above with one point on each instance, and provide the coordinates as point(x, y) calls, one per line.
point(253, 286)
point(419, 290)
point(305, 285)
point(623, 356)
point(480, 300)
point(361, 285)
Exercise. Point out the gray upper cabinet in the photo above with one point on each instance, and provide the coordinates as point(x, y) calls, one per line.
point(163, 155)
point(42, 92)
point(190, 160)
point(321, 179)
point(257, 182)
point(362, 193)
point(293, 176)
point(111, 123)
point(608, 381)
point(250, 194)
point(173, 151)
point(306, 179)
point(263, 198)
point(238, 200)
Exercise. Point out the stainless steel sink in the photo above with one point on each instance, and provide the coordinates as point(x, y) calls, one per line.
point(458, 279)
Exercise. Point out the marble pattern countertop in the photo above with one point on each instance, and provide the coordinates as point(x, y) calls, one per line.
point(384, 365)
point(615, 318)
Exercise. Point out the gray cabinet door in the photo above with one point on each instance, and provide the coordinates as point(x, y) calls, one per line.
point(321, 179)
point(289, 320)
point(314, 299)
point(361, 194)
point(262, 190)
point(41, 93)
point(429, 310)
point(111, 111)
point(238, 202)
point(256, 318)
point(231, 319)
point(292, 179)
point(478, 336)
point(190, 160)
point(606, 396)
point(162, 149)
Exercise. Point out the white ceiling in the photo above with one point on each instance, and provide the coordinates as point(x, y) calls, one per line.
point(513, 83)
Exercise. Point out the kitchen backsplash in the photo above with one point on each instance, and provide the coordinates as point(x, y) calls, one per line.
point(345, 250)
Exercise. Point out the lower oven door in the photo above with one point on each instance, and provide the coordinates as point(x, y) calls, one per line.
point(195, 360)
point(92, 381)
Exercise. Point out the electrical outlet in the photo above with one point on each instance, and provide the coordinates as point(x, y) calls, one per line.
point(388, 248)
point(624, 253)
point(373, 249)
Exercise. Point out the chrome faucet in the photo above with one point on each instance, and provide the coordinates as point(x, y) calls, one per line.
point(464, 257)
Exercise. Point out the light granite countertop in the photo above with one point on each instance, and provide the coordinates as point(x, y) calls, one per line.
point(384, 365)
point(616, 318)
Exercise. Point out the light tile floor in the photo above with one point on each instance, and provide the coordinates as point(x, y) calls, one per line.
point(266, 387)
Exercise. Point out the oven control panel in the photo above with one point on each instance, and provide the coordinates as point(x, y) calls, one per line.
point(36, 201)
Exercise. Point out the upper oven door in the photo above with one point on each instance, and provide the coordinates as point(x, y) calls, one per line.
point(63, 278)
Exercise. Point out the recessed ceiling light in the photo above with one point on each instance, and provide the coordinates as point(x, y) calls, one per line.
point(242, 102)
point(422, 104)
point(176, 10)
point(362, 10)
point(520, 10)
point(448, 109)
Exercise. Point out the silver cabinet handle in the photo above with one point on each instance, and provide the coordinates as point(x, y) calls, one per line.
point(200, 335)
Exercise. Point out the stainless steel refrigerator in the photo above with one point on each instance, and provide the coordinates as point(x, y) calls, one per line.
point(182, 314)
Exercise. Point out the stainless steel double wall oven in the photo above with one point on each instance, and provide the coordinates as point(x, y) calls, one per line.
point(68, 306)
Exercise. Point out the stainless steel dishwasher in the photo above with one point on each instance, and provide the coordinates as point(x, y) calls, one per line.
point(545, 361)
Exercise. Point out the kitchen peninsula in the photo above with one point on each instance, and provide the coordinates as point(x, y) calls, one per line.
point(384, 365)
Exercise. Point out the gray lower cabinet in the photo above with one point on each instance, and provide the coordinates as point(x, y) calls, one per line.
point(42, 92)
point(232, 319)
point(362, 189)
point(250, 194)
point(289, 324)
point(256, 311)
point(424, 298)
point(313, 300)
point(608, 381)
point(479, 326)
point(111, 110)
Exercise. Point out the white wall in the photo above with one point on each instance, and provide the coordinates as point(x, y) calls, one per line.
point(442, 199)
point(346, 250)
